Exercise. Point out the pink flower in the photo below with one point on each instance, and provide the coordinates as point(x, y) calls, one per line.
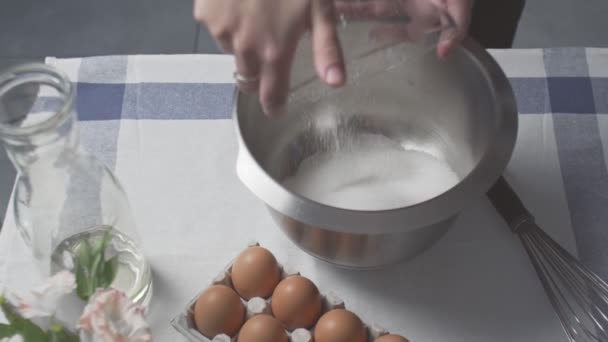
point(43, 300)
point(110, 316)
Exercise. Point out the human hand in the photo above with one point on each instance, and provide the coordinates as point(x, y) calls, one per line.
point(423, 16)
point(460, 11)
point(263, 36)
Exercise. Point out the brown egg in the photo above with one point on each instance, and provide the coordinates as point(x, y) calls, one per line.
point(340, 325)
point(263, 328)
point(296, 302)
point(391, 338)
point(255, 273)
point(219, 310)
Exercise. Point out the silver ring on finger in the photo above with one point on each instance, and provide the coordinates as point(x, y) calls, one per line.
point(244, 79)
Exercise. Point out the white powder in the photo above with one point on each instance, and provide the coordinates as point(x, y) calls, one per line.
point(372, 173)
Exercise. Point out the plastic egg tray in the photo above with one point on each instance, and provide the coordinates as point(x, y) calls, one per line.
point(184, 322)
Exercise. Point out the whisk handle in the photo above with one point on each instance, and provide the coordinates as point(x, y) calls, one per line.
point(509, 205)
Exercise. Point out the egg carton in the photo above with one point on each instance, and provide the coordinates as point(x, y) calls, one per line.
point(184, 321)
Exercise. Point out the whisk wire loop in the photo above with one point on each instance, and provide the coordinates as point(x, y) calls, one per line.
point(579, 297)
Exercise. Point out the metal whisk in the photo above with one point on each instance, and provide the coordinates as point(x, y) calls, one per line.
point(579, 297)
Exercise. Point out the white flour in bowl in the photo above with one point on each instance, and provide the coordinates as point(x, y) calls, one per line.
point(372, 172)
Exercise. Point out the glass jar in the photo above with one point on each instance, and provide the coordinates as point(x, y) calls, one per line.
point(64, 200)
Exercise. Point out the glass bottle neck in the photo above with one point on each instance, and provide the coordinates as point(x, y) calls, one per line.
point(49, 150)
point(37, 118)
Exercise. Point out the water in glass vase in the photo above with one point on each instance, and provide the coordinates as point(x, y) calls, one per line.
point(122, 263)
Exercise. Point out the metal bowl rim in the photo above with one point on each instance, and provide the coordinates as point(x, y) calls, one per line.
point(449, 203)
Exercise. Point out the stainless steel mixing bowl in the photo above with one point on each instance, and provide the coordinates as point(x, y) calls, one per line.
point(460, 109)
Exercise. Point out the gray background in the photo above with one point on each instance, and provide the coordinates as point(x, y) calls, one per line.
point(32, 29)
point(64, 28)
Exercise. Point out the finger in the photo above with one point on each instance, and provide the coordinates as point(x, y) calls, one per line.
point(456, 25)
point(248, 70)
point(274, 82)
point(460, 10)
point(447, 38)
point(397, 20)
point(247, 66)
point(225, 44)
point(222, 36)
point(445, 46)
point(218, 29)
point(198, 10)
point(368, 9)
point(327, 51)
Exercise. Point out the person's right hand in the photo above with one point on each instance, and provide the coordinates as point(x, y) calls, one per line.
point(455, 16)
point(263, 36)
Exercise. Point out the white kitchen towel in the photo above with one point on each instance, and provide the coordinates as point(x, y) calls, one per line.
point(163, 124)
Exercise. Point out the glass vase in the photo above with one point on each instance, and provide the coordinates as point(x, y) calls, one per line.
point(67, 205)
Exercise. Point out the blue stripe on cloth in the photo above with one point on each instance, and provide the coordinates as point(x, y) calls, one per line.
point(600, 94)
point(104, 69)
point(585, 178)
point(99, 138)
point(581, 156)
point(203, 101)
point(175, 101)
point(178, 101)
point(571, 95)
point(571, 62)
point(97, 101)
point(532, 95)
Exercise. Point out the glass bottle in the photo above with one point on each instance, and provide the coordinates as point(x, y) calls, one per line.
point(64, 198)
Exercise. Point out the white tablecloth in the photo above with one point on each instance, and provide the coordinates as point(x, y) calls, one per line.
point(194, 215)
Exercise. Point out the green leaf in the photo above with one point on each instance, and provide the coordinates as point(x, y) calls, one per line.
point(101, 247)
point(92, 270)
point(9, 311)
point(82, 283)
point(27, 329)
point(32, 333)
point(110, 270)
point(7, 331)
point(84, 254)
point(82, 266)
point(60, 334)
point(95, 271)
